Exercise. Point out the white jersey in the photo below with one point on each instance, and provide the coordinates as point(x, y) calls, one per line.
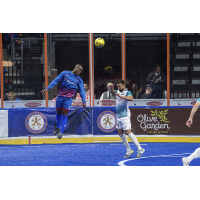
point(122, 104)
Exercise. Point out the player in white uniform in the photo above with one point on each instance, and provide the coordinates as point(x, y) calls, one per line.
point(196, 154)
point(123, 117)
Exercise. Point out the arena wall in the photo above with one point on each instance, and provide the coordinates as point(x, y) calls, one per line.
point(97, 124)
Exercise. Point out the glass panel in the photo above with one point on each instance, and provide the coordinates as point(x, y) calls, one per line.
point(143, 52)
point(107, 65)
point(23, 69)
point(185, 68)
point(69, 49)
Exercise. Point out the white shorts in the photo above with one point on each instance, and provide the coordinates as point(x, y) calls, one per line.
point(123, 123)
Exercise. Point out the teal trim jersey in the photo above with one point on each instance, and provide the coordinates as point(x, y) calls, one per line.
point(122, 107)
point(198, 100)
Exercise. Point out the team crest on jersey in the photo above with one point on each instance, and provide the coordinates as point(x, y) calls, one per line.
point(107, 121)
point(36, 122)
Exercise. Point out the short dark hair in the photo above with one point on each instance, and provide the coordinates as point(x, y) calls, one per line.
point(79, 66)
point(121, 81)
point(156, 66)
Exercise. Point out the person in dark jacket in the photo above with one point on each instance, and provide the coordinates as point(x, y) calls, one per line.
point(157, 79)
point(148, 92)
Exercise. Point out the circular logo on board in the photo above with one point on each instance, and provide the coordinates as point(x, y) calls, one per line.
point(107, 121)
point(36, 122)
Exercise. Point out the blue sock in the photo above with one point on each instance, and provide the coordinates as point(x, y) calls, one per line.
point(58, 120)
point(64, 123)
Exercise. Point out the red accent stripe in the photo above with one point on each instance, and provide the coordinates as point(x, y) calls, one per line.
point(66, 109)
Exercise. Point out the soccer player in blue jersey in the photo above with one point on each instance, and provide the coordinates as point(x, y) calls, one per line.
point(70, 83)
point(196, 154)
point(123, 116)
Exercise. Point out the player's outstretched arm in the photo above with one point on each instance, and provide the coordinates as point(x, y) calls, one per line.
point(189, 122)
point(193, 111)
point(59, 78)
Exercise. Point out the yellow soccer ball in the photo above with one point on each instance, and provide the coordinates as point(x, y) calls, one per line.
point(99, 42)
point(108, 69)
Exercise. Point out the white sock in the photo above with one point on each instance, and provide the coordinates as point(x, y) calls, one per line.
point(125, 141)
point(194, 155)
point(135, 141)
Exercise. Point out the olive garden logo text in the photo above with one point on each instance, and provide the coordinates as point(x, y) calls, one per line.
point(156, 121)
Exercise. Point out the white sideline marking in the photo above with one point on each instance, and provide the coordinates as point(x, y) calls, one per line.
point(121, 163)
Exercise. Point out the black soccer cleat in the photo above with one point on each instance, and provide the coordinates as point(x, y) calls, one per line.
point(59, 135)
point(57, 130)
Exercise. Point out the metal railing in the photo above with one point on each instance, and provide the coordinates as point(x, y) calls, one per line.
point(24, 78)
point(185, 91)
point(26, 47)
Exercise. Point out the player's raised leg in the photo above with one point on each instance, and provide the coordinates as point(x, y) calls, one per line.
point(135, 141)
point(126, 124)
point(187, 160)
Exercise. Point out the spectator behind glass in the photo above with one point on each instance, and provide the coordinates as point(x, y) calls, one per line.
point(157, 79)
point(135, 90)
point(53, 103)
point(108, 94)
point(11, 97)
point(87, 92)
point(148, 92)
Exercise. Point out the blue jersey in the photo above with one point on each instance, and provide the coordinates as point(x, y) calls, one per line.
point(70, 83)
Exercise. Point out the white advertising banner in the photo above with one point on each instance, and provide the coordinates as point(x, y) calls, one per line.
point(135, 102)
point(39, 103)
point(3, 123)
point(25, 104)
point(148, 102)
point(97, 103)
point(106, 102)
point(183, 102)
point(79, 103)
